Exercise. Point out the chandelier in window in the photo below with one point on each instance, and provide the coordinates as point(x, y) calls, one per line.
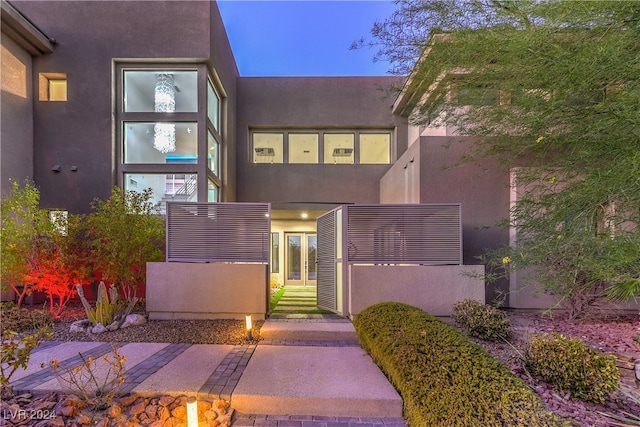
point(164, 134)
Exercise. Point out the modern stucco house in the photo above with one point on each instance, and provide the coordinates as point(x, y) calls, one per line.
point(91, 101)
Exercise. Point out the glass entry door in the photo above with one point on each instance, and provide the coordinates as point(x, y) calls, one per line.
point(301, 252)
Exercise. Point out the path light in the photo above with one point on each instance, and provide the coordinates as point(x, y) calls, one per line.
point(247, 322)
point(192, 412)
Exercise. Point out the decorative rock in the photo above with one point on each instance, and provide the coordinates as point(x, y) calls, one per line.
point(98, 329)
point(180, 412)
point(80, 326)
point(128, 400)
point(164, 413)
point(210, 415)
point(113, 327)
point(69, 411)
point(114, 411)
point(138, 408)
point(637, 371)
point(134, 320)
point(83, 420)
point(151, 411)
point(166, 400)
point(204, 405)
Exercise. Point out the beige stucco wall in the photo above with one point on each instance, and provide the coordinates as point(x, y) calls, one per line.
point(16, 135)
point(177, 290)
point(433, 289)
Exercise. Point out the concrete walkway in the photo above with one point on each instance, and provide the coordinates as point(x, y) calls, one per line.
point(308, 371)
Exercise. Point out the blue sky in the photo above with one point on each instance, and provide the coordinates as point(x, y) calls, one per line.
point(304, 37)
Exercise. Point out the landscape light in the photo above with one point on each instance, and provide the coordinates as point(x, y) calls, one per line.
point(248, 326)
point(192, 412)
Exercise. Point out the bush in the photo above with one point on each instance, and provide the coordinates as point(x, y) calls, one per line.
point(443, 377)
point(482, 321)
point(570, 365)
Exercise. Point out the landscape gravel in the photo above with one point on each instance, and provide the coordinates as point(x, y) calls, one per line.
point(612, 335)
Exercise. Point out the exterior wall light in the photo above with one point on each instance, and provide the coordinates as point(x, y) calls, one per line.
point(248, 326)
point(55, 168)
point(192, 412)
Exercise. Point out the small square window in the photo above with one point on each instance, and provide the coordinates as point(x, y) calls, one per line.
point(52, 86)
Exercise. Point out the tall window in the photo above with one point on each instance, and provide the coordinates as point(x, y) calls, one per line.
point(161, 130)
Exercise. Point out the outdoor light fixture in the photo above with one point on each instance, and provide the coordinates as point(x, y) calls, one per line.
point(247, 321)
point(192, 412)
point(164, 134)
point(304, 215)
point(55, 168)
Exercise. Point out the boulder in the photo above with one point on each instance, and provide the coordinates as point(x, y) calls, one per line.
point(134, 320)
point(80, 326)
point(99, 329)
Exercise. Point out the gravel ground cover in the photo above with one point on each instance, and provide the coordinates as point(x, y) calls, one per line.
point(613, 335)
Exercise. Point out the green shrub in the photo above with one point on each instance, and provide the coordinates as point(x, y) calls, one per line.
point(570, 365)
point(482, 321)
point(443, 377)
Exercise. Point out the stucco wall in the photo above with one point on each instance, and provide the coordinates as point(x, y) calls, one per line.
point(16, 132)
point(401, 184)
point(177, 290)
point(436, 176)
point(337, 103)
point(433, 289)
point(90, 35)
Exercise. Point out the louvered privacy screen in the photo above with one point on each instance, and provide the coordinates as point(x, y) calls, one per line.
point(404, 234)
point(223, 232)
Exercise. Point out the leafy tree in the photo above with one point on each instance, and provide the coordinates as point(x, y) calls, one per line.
point(62, 261)
point(125, 234)
point(23, 225)
point(552, 88)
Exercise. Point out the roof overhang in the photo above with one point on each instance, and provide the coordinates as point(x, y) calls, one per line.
point(23, 32)
point(415, 88)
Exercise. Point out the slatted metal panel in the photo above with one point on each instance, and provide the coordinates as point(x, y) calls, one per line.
point(428, 234)
point(222, 232)
point(326, 283)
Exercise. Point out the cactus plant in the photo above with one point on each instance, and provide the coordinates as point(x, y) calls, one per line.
point(106, 306)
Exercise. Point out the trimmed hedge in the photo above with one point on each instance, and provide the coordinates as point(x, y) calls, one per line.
point(444, 378)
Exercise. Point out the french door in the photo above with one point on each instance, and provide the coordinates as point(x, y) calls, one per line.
point(301, 251)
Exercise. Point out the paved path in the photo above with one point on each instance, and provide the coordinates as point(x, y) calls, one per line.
point(309, 372)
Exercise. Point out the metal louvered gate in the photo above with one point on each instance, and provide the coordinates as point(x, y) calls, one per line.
point(389, 235)
point(326, 286)
point(218, 232)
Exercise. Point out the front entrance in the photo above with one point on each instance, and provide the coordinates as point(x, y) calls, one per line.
point(301, 251)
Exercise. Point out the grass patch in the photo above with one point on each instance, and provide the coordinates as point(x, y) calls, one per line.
point(444, 378)
point(316, 311)
point(275, 298)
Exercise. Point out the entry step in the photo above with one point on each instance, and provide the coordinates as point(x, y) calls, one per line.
point(328, 330)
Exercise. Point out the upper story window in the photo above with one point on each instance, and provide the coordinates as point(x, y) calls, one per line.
point(213, 106)
point(169, 131)
point(339, 148)
point(52, 86)
point(268, 147)
point(375, 148)
point(160, 91)
point(144, 144)
point(314, 147)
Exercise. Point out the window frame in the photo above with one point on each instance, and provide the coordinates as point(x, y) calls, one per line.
point(204, 75)
point(321, 133)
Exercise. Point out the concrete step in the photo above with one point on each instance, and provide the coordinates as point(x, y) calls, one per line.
point(318, 381)
point(330, 330)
